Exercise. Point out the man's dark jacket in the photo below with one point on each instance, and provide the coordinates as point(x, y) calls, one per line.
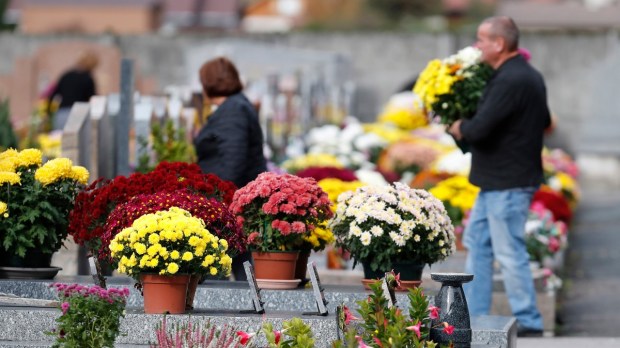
point(506, 133)
point(230, 145)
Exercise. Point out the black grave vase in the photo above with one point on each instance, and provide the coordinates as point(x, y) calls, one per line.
point(453, 310)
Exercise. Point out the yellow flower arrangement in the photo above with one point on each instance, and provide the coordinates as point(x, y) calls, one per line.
point(319, 238)
point(403, 112)
point(169, 242)
point(387, 132)
point(50, 144)
point(450, 88)
point(294, 165)
point(37, 200)
point(334, 187)
point(436, 78)
point(457, 191)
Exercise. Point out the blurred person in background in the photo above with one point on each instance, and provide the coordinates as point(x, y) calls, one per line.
point(230, 144)
point(75, 85)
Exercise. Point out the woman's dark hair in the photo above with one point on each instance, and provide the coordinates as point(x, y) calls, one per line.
point(220, 78)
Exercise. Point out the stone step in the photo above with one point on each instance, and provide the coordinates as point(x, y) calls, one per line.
point(29, 324)
point(211, 297)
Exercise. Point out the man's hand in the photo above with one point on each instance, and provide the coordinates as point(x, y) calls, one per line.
point(455, 130)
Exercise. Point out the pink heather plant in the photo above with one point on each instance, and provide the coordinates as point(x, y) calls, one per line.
point(90, 315)
point(277, 210)
point(192, 335)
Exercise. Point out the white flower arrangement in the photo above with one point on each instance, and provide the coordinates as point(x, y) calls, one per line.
point(342, 143)
point(380, 225)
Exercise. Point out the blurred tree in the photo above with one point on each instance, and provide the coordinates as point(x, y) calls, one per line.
point(7, 135)
point(4, 4)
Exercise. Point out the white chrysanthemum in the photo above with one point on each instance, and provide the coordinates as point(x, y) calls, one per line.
point(365, 238)
point(416, 238)
point(376, 231)
point(397, 238)
point(355, 230)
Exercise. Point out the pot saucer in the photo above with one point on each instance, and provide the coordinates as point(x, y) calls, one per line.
point(278, 284)
point(28, 273)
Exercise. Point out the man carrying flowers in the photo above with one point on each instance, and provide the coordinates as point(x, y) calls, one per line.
point(505, 136)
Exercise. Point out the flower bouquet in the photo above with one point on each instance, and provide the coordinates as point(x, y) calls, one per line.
point(168, 243)
point(277, 212)
point(450, 88)
point(35, 201)
point(382, 226)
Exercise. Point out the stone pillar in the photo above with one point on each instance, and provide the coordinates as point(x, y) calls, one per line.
point(125, 117)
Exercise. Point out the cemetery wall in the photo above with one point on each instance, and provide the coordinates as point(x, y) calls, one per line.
point(580, 67)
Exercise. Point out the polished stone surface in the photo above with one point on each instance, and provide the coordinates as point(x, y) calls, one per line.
point(221, 302)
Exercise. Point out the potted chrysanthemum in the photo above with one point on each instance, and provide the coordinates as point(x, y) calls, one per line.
point(35, 201)
point(162, 249)
point(393, 227)
point(277, 211)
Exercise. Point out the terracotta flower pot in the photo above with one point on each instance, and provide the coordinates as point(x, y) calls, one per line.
point(275, 264)
point(164, 293)
point(191, 291)
point(301, 267)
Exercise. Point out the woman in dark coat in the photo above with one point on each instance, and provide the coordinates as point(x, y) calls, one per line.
point(230, 145)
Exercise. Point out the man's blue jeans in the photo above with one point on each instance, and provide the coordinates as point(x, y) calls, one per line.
point(496, 230)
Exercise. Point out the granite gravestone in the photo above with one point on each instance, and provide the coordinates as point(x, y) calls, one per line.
point(317, 291)
point(254, 289)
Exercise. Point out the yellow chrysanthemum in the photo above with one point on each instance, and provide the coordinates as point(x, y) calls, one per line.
point(187, 256)
point(172, 268)
point(9, 178)
point(80, 174)
point(8, 165)
point(153, 250)
point(10, 153)
point(175, 255)
point(54, 170)
point(208, 261)
point(154, 262)
point(224, 243)
point(153, 238)
point(3, 207)
point(30, 157)
point(213, 271)
point(139, 248)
